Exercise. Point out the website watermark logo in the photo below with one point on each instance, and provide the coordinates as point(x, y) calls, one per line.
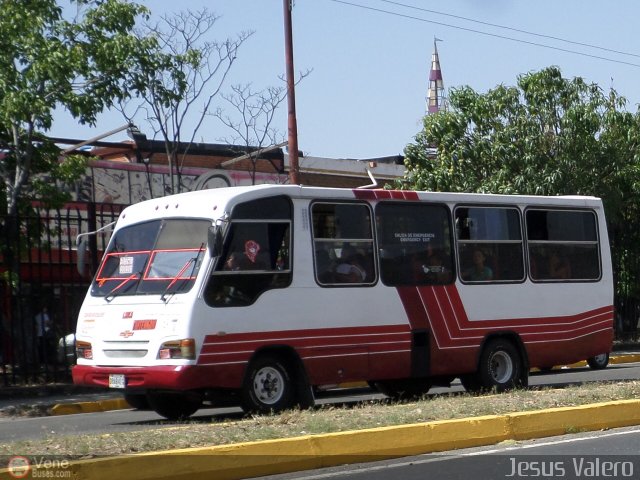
point(19, 466)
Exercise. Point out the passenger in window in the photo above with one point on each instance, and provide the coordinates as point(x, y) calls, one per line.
point(479, 272)
point(415, 273)
point(435, 268)
point(248, 259)
point(350, 268)
point(324, 266)
point(559, 267)
point(232, 263)
point(432, 268)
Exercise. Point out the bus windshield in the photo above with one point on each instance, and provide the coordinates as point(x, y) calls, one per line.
point(152, 257)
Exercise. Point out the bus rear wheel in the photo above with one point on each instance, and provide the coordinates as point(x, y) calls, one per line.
point(268, 386)
point(174, 405)
point(599, 361)
point(500, 369)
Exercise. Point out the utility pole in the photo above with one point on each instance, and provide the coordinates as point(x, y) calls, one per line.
point(292, 125)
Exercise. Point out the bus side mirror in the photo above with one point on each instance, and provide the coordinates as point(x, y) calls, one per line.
point(82, 256)
point(214, 241)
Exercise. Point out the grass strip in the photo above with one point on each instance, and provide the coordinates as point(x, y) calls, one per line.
point(221, 430)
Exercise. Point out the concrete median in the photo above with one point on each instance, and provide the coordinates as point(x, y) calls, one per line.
point(253, 459)
point(316, 451)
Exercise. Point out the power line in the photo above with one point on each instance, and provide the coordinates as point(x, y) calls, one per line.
point(505, 27)
point(495, 35)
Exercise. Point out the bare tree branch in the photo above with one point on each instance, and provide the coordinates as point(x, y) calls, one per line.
point(183, 87)
point(252, 117)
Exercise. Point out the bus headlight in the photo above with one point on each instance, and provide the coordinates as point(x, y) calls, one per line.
point(183, 349)
point(84, 350)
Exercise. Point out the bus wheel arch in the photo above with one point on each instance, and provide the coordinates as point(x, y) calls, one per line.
point(275, 380)
point(502, 365)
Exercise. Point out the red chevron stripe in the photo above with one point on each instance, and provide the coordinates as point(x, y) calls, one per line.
point(451, 326)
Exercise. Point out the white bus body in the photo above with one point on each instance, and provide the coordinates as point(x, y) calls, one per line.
point(271, 292)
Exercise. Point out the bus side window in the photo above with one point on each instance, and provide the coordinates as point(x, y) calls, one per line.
point(475, 266)
point(255, 257)
point(414, 241)
point(343, 244)
point(490, 247)
point(563, 245)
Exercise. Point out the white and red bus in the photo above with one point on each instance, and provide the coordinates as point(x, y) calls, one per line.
point(267, 294)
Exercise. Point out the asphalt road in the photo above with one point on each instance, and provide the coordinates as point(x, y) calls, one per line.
point(610, 454)
point(21, 428)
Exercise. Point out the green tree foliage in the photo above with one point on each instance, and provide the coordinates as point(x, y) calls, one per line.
point(547, 135)
point(48, 61)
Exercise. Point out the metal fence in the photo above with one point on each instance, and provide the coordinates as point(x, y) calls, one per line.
point(41, 290)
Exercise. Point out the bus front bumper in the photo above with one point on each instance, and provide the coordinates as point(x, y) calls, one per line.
point(170, 377)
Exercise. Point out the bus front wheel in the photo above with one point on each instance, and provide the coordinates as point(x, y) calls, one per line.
point(174, 405)
point(268, 386)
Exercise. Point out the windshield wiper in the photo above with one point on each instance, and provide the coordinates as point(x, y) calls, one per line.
point(112, 293)
point(177, 276)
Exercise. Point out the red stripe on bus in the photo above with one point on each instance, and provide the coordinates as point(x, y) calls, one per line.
point(451, 326)
point(315, 332)
point(379, 194)
point(232, 344)
point(332, 341)
point(440, 315)
point(460, 314)
point(413, 307)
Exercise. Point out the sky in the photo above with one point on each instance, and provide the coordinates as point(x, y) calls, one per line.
point(369, 60)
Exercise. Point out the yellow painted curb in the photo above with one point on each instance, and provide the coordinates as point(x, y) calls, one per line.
point(90, 407)
point(559, 421)
point(625, 359)
point(315, 451)
point(617, 359)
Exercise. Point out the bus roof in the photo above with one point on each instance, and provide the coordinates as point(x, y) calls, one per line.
point(213, 203)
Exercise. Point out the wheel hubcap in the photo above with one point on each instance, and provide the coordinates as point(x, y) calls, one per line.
point(600, 359)
point(501, 366)
point(268, 385)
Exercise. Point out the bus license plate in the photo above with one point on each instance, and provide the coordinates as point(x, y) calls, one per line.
point(117, 381)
